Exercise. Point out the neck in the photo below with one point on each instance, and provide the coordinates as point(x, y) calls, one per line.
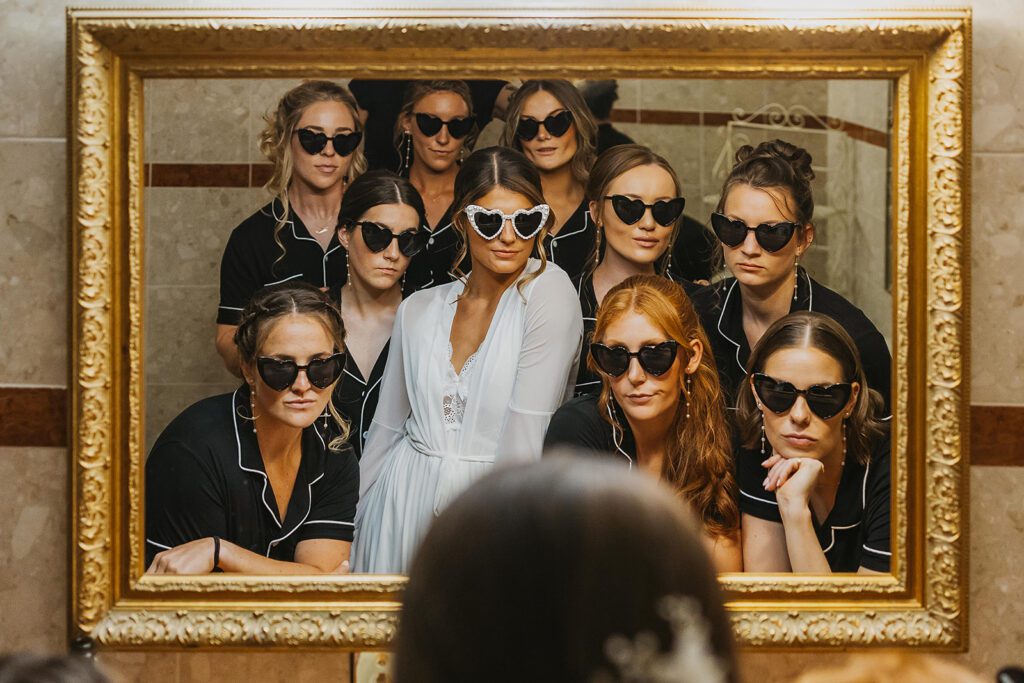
point(278, 441)
point(427, 181)
point(366, 300)
point(486, 284)
point(650, 437)
point(318, 205)
point(559, 185)
point(770, 302)
point(613, 269)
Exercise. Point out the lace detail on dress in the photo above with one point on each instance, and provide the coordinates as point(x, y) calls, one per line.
point(453, 403)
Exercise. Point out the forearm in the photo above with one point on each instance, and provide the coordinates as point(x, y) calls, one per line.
point(235, 559)
point(226, 349)
point(805, 553)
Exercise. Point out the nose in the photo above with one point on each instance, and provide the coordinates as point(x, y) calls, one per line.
point(301, 384)
point(646, 221)
point(508, 233)
point(328, 150)
point(442, 135)
point(800, 413)
point(392, 252)
point(750, 247)
point(542, 133)
point(635, 374)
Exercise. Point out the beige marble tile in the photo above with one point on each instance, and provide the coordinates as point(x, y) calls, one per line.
point(198, 120)
point(680, 145)
point(265, 93)
point(33, 263)
point(629, 93)
point(165, 401)
point(672, 94)
point(998, 84)
point(811, 94)
point(33, 549)
point(179, 335)
point(140, 667)
point(866, 103)
point(727, 95)
point(294, 667)
point(997, 305)
point(188, 228)
point(32, 69)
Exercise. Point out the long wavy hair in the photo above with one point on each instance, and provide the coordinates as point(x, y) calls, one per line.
point(807, 329)
point(272, 303)
point(415, 92)
point(586, 128)
point(483, 171)
point(698, 462)
point(609, 166)
point(275, 140)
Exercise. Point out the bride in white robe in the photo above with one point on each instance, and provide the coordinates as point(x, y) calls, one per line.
point(437, 430)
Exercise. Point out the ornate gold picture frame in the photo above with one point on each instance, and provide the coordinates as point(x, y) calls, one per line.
point(926, 54)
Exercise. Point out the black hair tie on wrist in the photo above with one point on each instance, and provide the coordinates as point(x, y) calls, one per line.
point(216, 553)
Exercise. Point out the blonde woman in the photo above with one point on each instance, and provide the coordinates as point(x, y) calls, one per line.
point(313, 140)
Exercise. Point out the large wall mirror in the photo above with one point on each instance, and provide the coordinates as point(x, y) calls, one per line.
point(166, 109)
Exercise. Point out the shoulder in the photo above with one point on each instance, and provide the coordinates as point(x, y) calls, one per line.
point(260, 224)
point(881, 455)
point(553, 280)
point(578, 423)
point(711, 299)
point(341, 463)
point(837, 307)
point(205, 427)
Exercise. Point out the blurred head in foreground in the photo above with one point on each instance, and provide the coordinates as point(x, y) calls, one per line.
point(567, 569)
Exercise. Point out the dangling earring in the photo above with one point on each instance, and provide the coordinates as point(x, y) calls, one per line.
point(407, 144)
point(462, 154)
point(796, 276)
point(844, 441)
point(597, 246)
point(689, 393)
point(348, 272)
point(252, 405)
point(762, 435)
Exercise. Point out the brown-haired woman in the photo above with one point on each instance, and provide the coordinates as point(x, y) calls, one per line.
point(312, 138)
point(808, 419)
point(660, 406)
point(434, 132)
point(249, 481)
point(540, 572)
point(637, 205)
point(476, 367)
point(381, 227)
point(764, 223)
point(549, 122)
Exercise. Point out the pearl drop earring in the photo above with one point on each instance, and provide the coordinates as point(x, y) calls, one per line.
point(796, 276)
point(689, 394)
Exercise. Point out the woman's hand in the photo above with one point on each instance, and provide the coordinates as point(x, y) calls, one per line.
point(792, 479)
point(194, 557)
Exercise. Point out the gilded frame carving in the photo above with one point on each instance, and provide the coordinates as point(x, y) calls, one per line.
point(926, 53)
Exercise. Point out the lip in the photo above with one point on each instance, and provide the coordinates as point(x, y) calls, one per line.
point(749, 267)
point(639, 399)
point(647, 242)
point(504, 253)
point(326, 168)
point(804, 440)
point(300, 404)
point(546, 150)
point(442, 152)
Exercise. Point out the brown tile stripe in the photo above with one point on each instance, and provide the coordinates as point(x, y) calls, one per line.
point(207, 175)
point(856, 131)
point(32, 416)
point(38, 417)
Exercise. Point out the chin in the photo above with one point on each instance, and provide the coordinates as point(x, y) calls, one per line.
point(299, 420)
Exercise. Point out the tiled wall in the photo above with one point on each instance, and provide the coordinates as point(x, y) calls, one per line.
point(33, 348)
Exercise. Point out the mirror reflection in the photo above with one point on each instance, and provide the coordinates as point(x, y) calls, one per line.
point(414, 282)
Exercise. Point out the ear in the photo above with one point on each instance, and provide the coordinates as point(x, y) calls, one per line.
point(344, 236)
point(595, 211)
point(698, 352)
point(853, 399)
point(407, 124)
point(805, 243)
point(248, 373)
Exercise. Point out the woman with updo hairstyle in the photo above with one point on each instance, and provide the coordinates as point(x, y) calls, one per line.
point(313, 141)
point(764, 224)
point(434, 132)
point(564, 570)
point(660, 407)
point(814, 471)
point(549, 122)
point(476, 367)
point(636, 201)
point(259, 481)
point(381, 227)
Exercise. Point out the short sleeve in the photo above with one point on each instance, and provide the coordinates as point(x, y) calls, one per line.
point(239, 279)
point(876, 554)
point(546, 368)
point(333, 511)
point(183, 499)
point(754, 499)
point(577, 425)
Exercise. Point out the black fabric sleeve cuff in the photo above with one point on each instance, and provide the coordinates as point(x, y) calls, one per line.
point(326, 529)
